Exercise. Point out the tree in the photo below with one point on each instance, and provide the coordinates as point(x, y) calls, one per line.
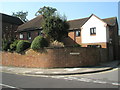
point(22, 15)
point(54, 26)
point(46, 11)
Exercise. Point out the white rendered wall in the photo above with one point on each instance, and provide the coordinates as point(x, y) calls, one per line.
point(101, 31)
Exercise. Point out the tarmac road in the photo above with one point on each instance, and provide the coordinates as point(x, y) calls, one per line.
point(22, 81)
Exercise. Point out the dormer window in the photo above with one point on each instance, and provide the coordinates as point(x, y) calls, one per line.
point(93, 31)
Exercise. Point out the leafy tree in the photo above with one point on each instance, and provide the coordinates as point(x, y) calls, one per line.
point(46, 11)
point(5, 45)
point(22, 15)
point(54, 26)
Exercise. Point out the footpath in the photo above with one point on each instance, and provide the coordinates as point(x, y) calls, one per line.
point(61, 71)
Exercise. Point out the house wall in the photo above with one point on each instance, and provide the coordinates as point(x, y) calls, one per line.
point(71, 34)
point(33, 35)
point(115, 41)
point(101, 31)
point(76, 39)
point(8, 30)
point(101, 37)
point(57, 57)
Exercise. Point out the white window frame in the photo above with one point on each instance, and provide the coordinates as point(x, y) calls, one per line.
point(21, 35)
point(93, 31)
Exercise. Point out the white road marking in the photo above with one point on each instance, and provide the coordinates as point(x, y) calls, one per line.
point(38, 72)
point(84, 80)
point(71, 69)
point(56, 72)
point(115, 84)
point(7, 86)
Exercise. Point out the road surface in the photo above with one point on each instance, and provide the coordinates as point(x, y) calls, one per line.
point(107, 79)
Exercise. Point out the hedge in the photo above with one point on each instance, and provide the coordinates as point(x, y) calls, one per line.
point(38, 43)
point(22, 45)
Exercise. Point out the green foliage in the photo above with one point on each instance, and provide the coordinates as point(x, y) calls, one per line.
point(46, 11)
point(54, 26)
point(5, 45)
point(22, 15)
point(38, 43)
point(14, 45)
point(22, 45)
point(77, 45)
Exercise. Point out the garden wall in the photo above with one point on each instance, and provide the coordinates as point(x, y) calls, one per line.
point(57, 57)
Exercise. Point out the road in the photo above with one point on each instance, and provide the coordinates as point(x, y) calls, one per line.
point(99, 80)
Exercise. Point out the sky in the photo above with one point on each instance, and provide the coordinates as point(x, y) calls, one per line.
point(72, 10)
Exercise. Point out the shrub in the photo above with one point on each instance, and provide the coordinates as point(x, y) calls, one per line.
point(22, 45)
point(77, 45)
point(14, 45)
point(56, 44)
point(5, 45)
point(39, 43)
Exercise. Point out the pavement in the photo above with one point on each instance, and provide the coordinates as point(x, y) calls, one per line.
point(62, 71)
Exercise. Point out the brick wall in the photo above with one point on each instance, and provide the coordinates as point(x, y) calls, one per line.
point(59, 57)
point(33, 35)
point(8, 30)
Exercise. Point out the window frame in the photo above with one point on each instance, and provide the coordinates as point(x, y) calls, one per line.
point(21, 36)
point(39, 33)
point(77, 33)
point(93, 31)
point(28, 35)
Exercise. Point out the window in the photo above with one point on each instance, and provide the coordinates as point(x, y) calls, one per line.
point(21, 35)
point(77, 33)
point(39, 33)
point(93, 31)
point(28, 35)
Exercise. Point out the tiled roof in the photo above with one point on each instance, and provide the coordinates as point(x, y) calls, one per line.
point(11, 19)
point(110, 21)
point(79, 22)
point(36, 23)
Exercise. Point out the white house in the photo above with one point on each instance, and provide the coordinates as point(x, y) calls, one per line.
point(93, 31)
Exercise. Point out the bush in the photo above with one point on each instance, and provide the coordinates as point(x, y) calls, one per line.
point(14, 45)
point(39, 43)
point(77, 45)
point(56, 44)
point(5, 45)
point(22, 45)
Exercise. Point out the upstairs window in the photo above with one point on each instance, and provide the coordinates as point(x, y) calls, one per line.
point(93, 31)
point(21, 35)
point(77, 33)
point(29, 35)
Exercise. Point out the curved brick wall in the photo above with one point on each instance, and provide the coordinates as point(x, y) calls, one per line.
point(61, 57)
